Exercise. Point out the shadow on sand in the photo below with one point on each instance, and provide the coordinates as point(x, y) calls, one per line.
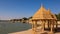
point(6, 28)
point(56, 30)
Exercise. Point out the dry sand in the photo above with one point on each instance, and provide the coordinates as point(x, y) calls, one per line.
point(26, 32)
point(23, 32)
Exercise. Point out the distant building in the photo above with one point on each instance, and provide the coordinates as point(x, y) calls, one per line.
point(16, 20)
point(23, 20)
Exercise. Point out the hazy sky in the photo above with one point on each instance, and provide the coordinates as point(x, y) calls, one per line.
point(25, 8)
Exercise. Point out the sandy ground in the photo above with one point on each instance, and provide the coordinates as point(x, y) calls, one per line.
point(23, 32)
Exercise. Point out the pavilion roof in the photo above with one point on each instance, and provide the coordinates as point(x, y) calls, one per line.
point(42, 13)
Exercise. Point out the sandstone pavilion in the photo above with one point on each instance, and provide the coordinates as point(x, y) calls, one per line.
point(46, 19)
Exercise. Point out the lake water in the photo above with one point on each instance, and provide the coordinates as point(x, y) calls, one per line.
point(8, 27)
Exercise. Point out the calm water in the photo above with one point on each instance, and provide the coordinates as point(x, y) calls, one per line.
point(8, 27)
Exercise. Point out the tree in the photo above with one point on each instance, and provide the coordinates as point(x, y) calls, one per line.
point(30, 17)
point(24, 18)
point(58, 16)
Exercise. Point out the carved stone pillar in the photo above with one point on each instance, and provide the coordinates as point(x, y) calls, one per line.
point(51, 26)
point(43, 26)
point(56, 24)
point(34, 27)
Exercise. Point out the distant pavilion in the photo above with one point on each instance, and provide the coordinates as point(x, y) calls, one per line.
point(44, 16)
